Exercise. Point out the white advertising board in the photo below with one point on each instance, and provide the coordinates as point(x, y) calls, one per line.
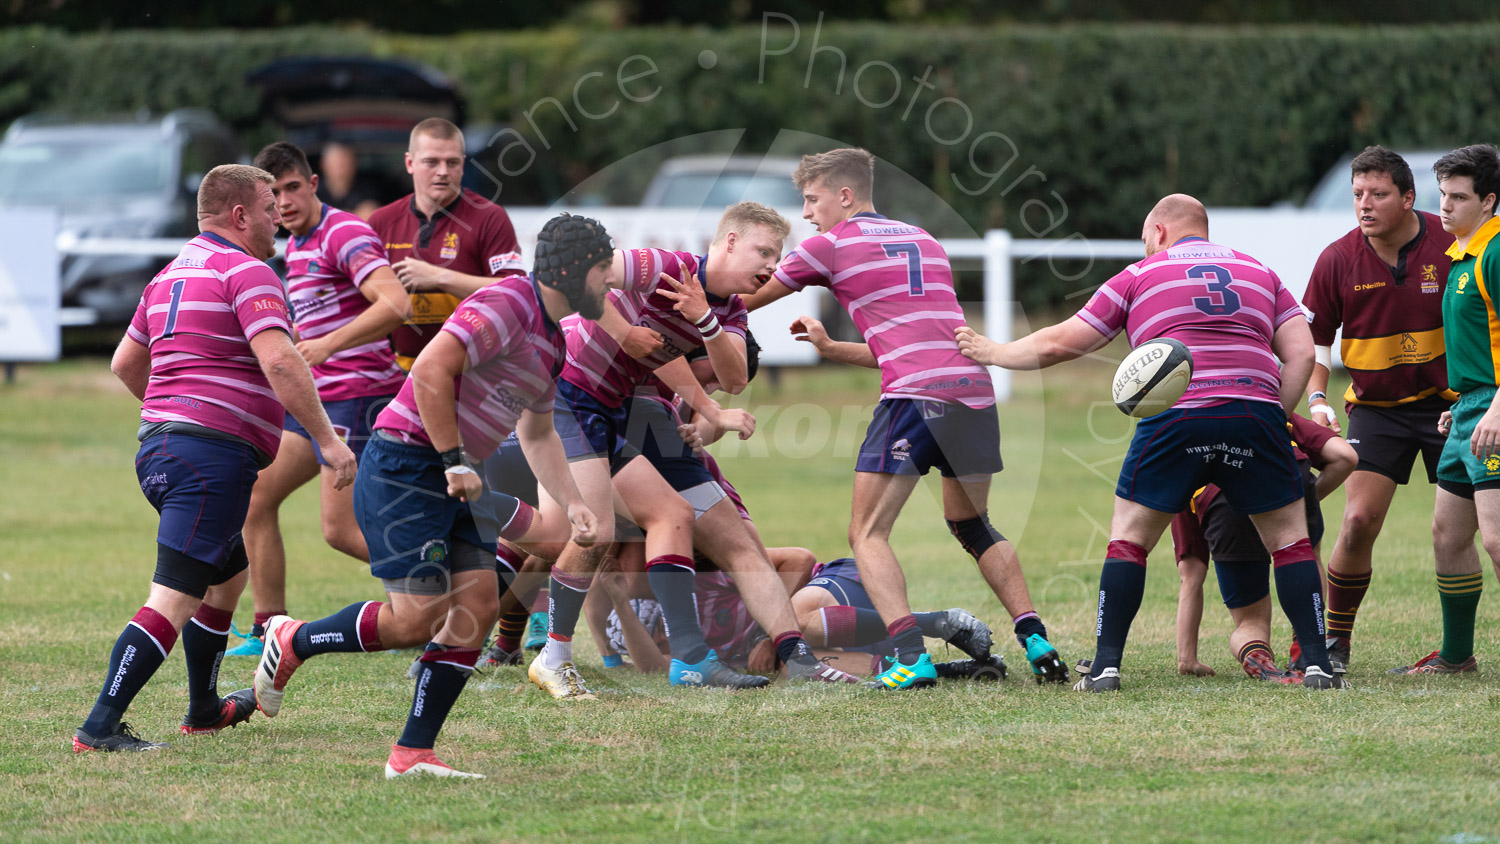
point(30, 296)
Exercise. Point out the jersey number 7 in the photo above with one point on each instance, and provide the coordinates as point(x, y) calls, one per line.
point(913, 254)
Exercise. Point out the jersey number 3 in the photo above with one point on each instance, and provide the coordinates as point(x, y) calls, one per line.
point(913, 255)
point(1220, 301)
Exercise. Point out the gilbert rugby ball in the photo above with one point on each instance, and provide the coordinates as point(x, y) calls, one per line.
point(1152, 377)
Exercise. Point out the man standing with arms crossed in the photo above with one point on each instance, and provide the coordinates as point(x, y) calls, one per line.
point(1383, 283)
point(1228, 429)
point(937, 409)
point(1468, 496)
point(210, 355)
point(345, 301)
point(443, 242)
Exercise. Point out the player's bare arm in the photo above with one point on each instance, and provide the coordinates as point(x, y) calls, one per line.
point(293, 384)
point(544, 453)
point(390, 306)
point(768, 293)
point(1293, 346)
point(810, 330)
point(725, 351)
point(638, 341)
point(418, 276)
point(1067, 340)
point(434, 376)
point(132, 365)
point(678, 376)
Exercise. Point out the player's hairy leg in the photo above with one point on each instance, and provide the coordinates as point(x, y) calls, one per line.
point(593, 481)
point(878, 499)
point(407, 621)
point(296, 463)
point(1251, 624)
point(340, 530)
point(649, 501)
point(720, 534)
point(473, 605)
point(999, 564)
point(1367, 499)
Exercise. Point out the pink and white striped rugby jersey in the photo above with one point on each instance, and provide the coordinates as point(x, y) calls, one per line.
point(197, 317)
point(515, 352)
point(598, 365)
point(894, 280)
point(324, 269)
point(1224, 305)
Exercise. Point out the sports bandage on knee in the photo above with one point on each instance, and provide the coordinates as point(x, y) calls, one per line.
point(976, 535)
point(703, 497)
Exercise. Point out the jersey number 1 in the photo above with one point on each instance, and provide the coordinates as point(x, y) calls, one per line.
point(1220, 301)
point(171, 325)
point(913, 255)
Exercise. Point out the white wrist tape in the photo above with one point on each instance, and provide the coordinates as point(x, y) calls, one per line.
point(1323, 356)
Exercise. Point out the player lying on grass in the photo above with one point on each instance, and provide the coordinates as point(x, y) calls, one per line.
point(1229, 427)
point(937, 409)
point(209, 354)
point(833, 611)
point(490, 370)
point(1211, 529)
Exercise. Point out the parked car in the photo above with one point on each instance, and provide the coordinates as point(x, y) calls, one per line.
point(129, 177)
point(717, 181)
point(1333, 190)
point(368, 105)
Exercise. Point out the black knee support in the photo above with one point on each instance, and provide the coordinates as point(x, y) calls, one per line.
point(176, 570)
point(976, 535)
point(236, 563)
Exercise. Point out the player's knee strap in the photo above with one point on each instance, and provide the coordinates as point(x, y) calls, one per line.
point(1242, 584)
point(236, 563)
point(976, 535)
point(703, 497)
point(176, 570)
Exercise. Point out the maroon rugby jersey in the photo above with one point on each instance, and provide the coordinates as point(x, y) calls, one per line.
point(472, 236)
point(1392, 316)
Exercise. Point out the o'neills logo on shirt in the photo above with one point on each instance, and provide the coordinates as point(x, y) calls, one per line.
point(1371, 286)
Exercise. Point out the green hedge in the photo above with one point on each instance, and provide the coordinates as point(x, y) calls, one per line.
point(1110, 118)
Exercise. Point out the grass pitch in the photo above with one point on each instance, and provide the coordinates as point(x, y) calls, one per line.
point(1172, 758)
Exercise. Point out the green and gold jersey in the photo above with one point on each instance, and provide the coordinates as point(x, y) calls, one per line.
point(1471, 323)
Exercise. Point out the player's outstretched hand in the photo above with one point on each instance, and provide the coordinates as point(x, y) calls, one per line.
point(1486, 437)
point(341, 460)
point(734, 419)
point(1445, 423)
point(975, 346)
point(585, 527)
point(418, 276)
point(810, 330)
point(641, 341)
point(691, 301)
point(464, 483)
